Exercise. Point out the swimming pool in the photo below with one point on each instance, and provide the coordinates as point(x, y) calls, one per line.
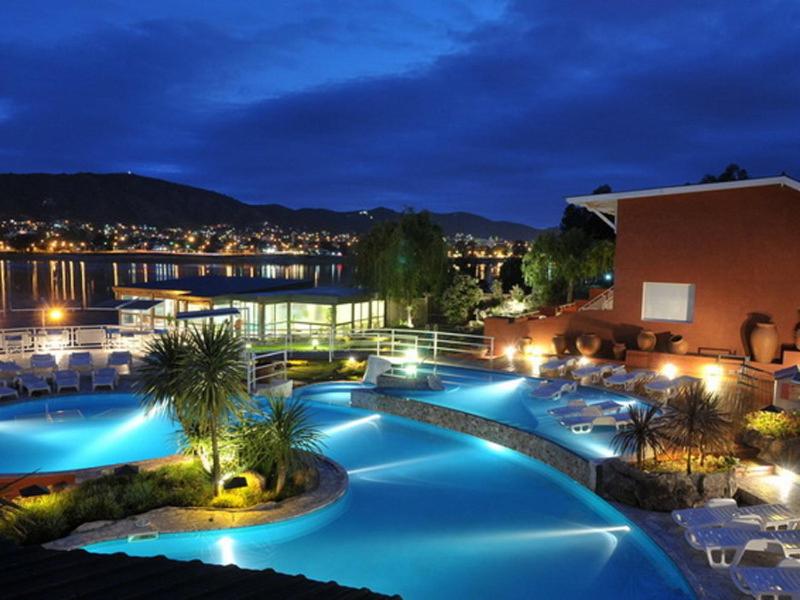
point(66, 433)
point(435, 514)
point(503, 397)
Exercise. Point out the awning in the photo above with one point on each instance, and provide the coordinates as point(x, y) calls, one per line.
point(140, 305)
point(206, 314)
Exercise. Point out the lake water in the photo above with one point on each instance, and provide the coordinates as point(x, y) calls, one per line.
point(84, 281)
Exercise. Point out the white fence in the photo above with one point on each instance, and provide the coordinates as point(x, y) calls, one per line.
point(264, 367)
point(422, 342)
point(25, 340)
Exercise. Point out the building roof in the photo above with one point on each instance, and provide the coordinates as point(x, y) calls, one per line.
point(210, 286)
point(34, 572)
point(605, 205)
point(314, 295)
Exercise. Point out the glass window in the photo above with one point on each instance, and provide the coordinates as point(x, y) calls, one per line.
point(344, 314)
point(303, 312)
point(668, 302)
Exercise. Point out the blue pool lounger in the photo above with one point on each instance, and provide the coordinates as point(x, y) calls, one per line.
point(725, 546)
point(554, 389)
point(104, 378)
point(628, 380)
point(67, 380)
point(575, 407)
point(43, 364)
point(591, 374)
point(585, 423)
point(31, 383)
point(81, 362)
point(766, 516)
point(557, 366)
point(120, 360)
point(665, 389)
point(781, 582)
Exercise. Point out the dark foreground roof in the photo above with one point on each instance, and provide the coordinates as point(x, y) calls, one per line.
point(209, 286)
point(33, 572)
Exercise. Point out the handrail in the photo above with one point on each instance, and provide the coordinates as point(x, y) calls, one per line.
point(603, 301)
point(278, 363)
point(433, 340)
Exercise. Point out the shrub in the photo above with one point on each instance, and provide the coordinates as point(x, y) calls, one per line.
point(780, 425)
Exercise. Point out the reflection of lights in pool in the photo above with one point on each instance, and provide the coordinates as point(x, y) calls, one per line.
point(559, 533)
point(350, 424)
point(410, 370)
point(226, 554)
point(427, 459)
point(495, 447)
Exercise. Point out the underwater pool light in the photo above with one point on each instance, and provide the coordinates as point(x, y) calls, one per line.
point(350, 424)
point(226, 553)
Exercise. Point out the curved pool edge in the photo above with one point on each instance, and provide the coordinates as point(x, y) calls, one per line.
point(332, 487)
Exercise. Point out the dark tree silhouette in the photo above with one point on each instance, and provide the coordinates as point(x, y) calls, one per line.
point(732, 172)
point(577, 217)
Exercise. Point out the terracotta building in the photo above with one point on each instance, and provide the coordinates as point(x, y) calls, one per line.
point(706, 262)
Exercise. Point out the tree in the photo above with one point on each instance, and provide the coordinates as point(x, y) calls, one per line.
point(644, 432)
point(732, 172)
point(461, 298)
point(695, 421)
point(578, 217)
point(511, 272)
point(198, 376)
point(403, 260)
point(568, 257)
point(290, 439)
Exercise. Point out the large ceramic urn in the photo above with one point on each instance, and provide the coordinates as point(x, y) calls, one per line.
point(619, 350)
point(588, 344)
point(560, 343)
point(646, 340)
point(764, 342)
point(678, 344)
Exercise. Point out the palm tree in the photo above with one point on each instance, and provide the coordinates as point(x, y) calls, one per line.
point(290, 439)
point(694, 420)
point(199, 377)
point(645, 431)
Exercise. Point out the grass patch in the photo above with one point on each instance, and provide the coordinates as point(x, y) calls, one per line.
point(312, 371)
point(112, 497)
point(712, 464)
point(779, 425)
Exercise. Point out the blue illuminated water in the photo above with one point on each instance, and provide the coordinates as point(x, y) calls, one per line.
point(81, 431)
point(503, 397)
point(434, 514)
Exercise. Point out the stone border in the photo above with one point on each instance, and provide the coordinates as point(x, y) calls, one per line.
point(332, 485)
point(578, 468)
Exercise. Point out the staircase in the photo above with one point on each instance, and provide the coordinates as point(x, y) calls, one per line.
point(604, 301)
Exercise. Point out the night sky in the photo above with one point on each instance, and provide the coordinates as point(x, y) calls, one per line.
point(499, 108)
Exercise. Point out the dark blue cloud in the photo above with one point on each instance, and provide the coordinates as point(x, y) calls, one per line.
point(449, 107)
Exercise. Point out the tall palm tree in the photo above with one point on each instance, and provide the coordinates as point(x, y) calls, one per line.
point(645, 431)
point(694, 421)
point(291, 438)
point(199, 376)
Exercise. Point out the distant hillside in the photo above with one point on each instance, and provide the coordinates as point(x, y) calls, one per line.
point(118, 197)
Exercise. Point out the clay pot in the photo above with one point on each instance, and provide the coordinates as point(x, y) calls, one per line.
point(560, 343)
point(588, 344)
point(764, 342)
point(619, 350)
point(646, 340)
point(678, 344)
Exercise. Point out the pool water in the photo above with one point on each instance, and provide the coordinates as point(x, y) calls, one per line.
point(82, 431)
point(504, 397)
point(435, 514)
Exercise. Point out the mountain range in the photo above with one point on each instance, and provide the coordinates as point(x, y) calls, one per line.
point(133, 199)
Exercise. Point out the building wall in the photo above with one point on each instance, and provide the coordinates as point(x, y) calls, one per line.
point(739, 247)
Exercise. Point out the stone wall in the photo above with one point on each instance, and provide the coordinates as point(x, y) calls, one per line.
point(525, 442)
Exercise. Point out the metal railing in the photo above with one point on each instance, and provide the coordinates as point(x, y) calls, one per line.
point(26, 340)
point(603, 301)
point(263, 367)
point(423, 342)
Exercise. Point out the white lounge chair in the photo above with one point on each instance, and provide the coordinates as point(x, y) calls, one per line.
point(105, 378)
point(80, 362)
point(585, 423)
point(67, 379)
point(592, 374)
point(629, 380)
point(781, 582)
point(43, 364)
point(725, 546)
point(663, 389)
point(31, 383)
point(770, 517)
point(554, 389)
point(575, 407)
point(557, 367)
point(8, 393)
point(121, 361)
